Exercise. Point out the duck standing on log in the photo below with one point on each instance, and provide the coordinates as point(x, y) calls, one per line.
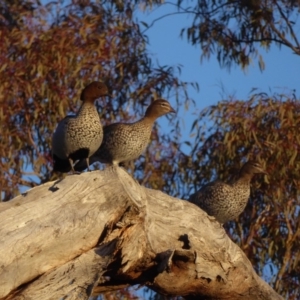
point(78, 137)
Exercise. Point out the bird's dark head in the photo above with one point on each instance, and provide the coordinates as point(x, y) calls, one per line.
point(94, 91)
point(253, 167)
point(159, 108)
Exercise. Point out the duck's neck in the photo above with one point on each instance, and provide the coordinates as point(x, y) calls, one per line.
point(243, 179)
point(144, 124)
point(86, 108)
point(148, 119)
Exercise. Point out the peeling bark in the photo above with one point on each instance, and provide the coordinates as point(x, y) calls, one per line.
point(100, 231)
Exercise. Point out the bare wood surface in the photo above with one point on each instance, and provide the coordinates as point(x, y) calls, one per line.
point(99, 231)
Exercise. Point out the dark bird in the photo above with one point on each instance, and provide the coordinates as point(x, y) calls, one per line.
point(224, 201)
point(78, 137)
point(124, 142)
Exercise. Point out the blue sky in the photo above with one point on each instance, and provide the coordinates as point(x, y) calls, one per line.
point(282, 66)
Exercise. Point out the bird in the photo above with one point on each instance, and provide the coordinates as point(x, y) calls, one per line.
point(126, 141)
point(224, 201)
point(78, 137)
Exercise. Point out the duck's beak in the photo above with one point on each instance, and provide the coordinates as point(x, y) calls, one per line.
point(172, 110)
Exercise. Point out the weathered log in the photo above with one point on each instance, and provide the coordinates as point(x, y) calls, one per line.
point(101, 230)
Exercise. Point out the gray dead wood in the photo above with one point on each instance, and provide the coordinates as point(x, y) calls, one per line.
point(100, 231)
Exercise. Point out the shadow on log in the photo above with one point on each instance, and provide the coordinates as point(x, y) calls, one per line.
point(101, 231)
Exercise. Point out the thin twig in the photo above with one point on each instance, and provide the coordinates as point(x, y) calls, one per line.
point(289, 25)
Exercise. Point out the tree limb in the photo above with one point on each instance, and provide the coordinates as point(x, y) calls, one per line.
point(101, 230)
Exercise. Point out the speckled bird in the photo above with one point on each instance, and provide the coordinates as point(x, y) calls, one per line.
point(126, 141)
point(78, 137)
point(224, 201)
